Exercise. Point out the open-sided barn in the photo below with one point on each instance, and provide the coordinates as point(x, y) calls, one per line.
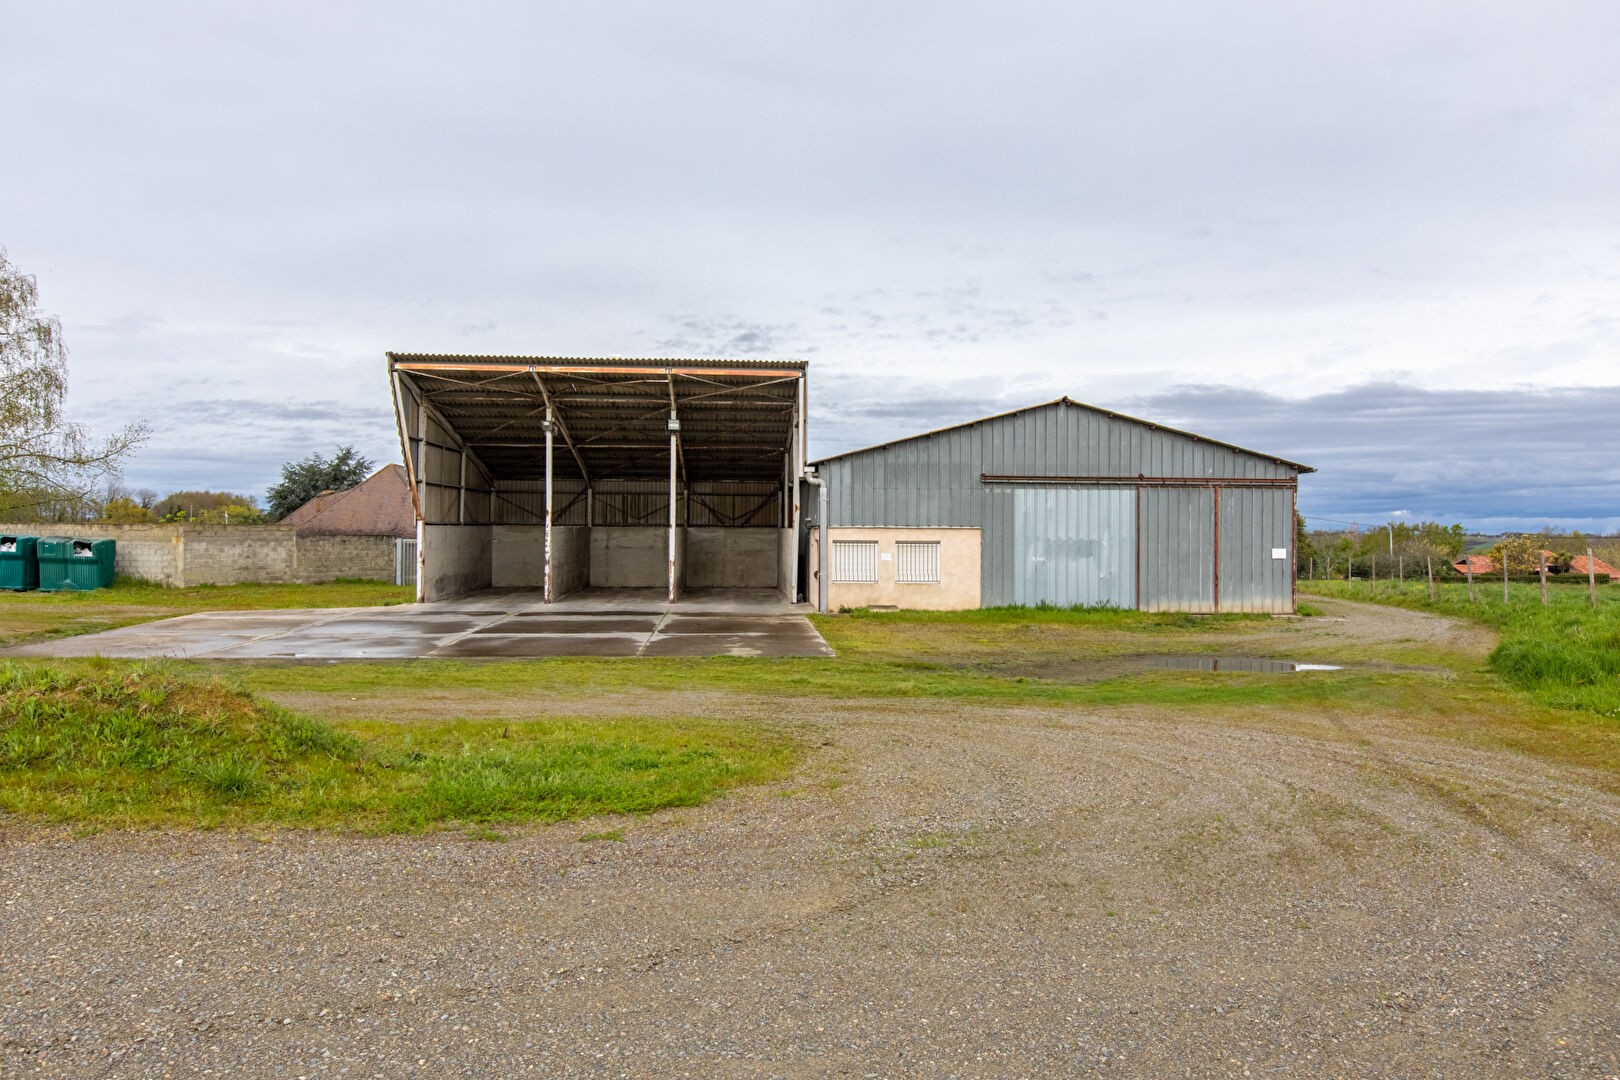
point(561, 474)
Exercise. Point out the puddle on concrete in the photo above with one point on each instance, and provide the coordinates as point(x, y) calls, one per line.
point(1234, 663)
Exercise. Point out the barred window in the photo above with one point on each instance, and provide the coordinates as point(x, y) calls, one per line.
point(855, 561)
point(916, 561)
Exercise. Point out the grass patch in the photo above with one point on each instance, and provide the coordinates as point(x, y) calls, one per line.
point(1565, 653)
point(138, 745)
point(38, 616)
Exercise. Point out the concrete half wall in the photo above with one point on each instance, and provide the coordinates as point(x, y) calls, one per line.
point(456, 560)
point(570, 559)
point(629, 558)
point(518, 556)
point(732, 558)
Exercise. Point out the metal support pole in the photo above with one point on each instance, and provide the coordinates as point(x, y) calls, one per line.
point(421, 457)
point(461, 492)
point(823, 556)
point(673, 506)
point(549, 595)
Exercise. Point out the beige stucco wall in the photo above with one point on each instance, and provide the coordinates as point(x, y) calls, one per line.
point(957, 588)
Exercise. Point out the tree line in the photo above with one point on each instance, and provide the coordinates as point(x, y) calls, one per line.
point(53, 470)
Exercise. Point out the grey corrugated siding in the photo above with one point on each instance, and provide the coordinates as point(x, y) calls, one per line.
point(1074, 546)
point(1178, 549)
point(1253, 522)
point(934, 481)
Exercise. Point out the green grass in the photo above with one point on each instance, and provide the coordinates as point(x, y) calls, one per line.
point(140, 745)
point(38, 616)
point(1565, 653)
point(124, 744)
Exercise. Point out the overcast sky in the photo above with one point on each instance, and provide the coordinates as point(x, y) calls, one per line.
point(1379, 238)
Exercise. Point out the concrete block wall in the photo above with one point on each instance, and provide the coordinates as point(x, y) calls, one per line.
point(182, 555)
point(227, 554)
point(326, 558)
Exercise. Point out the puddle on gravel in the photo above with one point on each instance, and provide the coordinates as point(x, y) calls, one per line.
point(1232, 663)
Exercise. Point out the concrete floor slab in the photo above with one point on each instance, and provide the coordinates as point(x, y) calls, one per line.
point(498, 623)
point(517, 646)
point(577, 624)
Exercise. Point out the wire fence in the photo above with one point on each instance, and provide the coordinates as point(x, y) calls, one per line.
point(1481, 574)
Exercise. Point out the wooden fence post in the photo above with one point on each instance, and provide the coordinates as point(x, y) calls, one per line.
point(1591, 576)
point(1468, 561)
point(1541, 560)
point(1430, 560)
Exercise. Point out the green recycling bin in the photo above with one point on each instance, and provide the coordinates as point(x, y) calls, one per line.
point(19, 562)
point(72, 563)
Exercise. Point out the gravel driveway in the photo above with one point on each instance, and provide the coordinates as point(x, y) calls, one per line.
point(942, 891)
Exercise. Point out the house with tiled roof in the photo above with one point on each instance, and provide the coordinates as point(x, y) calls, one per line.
point(379, 505)
point(1483, 565)
point(1578, 565)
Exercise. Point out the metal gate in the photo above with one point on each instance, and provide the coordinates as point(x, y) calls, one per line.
point(1075, 546)
point(404, 562)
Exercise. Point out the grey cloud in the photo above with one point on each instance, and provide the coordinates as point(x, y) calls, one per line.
point(1526, 456)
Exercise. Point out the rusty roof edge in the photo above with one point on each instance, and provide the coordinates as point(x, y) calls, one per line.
point(1066, 400)
point(652, 363)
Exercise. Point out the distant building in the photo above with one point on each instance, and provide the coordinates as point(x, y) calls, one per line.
point(1578, 565)
point(379, 505)
point(1481, 565)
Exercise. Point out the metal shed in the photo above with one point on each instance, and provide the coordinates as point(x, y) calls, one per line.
point(563, 473)
point(1061, 503)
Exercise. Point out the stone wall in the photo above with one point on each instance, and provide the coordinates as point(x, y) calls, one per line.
point(181, 555)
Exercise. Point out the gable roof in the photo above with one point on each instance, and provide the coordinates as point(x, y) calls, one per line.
point(1578, 565)
point(1068, 401)
point(380, 505)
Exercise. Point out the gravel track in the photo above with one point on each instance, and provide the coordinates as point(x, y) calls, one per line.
point(943, 890)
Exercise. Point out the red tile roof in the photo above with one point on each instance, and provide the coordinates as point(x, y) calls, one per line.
point(1484, 564)
point(1577, 565)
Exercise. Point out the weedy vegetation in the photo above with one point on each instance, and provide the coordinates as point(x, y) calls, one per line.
point(1565, 654)
point(139, 744)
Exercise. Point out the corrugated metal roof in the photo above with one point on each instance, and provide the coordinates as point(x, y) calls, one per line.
point(650, 363)
point(1076, 404)
point(737, 417)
